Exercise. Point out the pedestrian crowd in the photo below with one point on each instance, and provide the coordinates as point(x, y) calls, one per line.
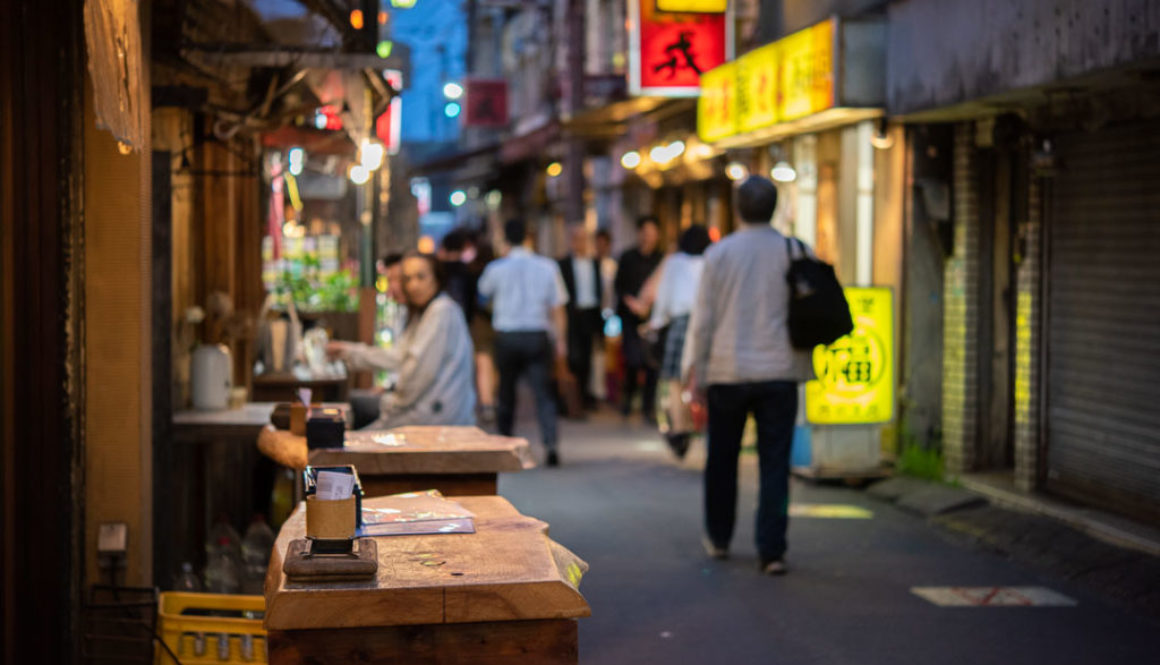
point(709, 324)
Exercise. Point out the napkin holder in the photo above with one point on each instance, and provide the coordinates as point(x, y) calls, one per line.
point(331, 525)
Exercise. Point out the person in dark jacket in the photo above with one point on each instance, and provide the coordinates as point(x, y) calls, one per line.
point(581, 275)
point(635, 268)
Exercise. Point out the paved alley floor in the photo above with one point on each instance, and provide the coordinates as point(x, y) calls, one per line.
point(623, 504)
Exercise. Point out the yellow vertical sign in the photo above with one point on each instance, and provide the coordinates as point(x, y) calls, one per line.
point(855, 383)
point(717, 105)
point(757, 103)
point(807, 71)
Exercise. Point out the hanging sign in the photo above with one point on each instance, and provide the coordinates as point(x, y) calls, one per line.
point(389, 123)
point(485, 103)
point(855, 383)
point(669, 51)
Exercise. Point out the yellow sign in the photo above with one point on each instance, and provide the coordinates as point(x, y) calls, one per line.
point(786, 80)
point(806, 82)
point(717, 105)
point(855, 383)
point(757, 73)
point(696, 6)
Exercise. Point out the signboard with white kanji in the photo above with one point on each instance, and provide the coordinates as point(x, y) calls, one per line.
point(855, 383)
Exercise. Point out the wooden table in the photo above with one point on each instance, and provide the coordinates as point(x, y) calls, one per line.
point(505, 594)
point(457, 461)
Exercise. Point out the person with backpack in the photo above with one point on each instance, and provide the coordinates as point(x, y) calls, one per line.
point(740, 359)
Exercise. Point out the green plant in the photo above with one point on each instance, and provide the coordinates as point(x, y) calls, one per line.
point(920, 462)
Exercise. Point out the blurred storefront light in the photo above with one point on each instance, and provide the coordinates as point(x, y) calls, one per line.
point(359, 174)
point(458, 198)
point(783, 172)
point(630, 160)
point(736, 171)
point(554, 169)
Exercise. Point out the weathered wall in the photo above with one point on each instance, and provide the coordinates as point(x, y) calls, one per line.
point(943, 52)
point(779, 18)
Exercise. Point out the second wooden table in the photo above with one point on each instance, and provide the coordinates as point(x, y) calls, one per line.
point(457, 461)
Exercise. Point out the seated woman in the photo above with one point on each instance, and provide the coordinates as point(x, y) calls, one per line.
point(433, 357)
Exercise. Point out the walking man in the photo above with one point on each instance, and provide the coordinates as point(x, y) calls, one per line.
point(739, 352)
point(528, 299)
point(636, 266)
point(581, 275)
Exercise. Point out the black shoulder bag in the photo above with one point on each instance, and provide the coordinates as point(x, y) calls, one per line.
point(818, 311)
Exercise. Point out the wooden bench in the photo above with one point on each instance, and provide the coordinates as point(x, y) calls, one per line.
point(505, 594)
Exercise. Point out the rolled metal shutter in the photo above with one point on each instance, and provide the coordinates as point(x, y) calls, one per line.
point(1103, 326)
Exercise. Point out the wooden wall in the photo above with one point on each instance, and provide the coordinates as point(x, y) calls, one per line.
point(118, 383)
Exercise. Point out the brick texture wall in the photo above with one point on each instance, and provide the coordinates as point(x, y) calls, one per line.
point(1027, 341)
point(960, 313)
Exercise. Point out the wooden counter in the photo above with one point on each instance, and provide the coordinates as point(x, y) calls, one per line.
point(457, 461)
point(505, 594)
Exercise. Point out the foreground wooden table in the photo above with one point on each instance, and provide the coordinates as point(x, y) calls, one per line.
point(505, 594)
point(457, 461)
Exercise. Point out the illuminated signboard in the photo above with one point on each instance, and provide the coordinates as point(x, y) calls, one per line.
point(669, 51)
point(703, 6)
point(717, 106)
point(807, 71)
point(782, 81)
point(855, 383)
point(757, 72)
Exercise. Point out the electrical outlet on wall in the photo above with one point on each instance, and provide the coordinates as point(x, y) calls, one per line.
point(113, 538)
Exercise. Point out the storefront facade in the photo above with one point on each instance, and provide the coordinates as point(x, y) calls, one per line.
point(1049, 292)
point(806, 111)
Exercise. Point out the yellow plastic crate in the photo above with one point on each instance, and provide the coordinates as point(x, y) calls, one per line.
point(206, 640)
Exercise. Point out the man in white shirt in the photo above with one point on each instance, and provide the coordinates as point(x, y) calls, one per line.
point(528, 297)
point(739, 349)
point(583, 281)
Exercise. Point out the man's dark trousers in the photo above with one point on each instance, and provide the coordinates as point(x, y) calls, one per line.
point(774, 408)
point(525, 354)
point(583, 329)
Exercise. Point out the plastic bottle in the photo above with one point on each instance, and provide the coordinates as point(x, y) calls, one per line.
point(256, 548)
point(187, 580)
point(221, 573)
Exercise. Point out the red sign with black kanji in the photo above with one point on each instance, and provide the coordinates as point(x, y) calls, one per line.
point(675, 48)
point(485, 103)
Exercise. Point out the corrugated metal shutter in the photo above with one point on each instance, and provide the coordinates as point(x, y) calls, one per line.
point(1103, 329)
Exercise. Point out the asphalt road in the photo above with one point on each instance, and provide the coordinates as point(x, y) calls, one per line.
point(622, 503)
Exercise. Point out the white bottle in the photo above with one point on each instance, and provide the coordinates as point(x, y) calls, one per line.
point(211, 377)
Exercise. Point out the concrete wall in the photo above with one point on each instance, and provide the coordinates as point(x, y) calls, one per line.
point(779, 18)
point(944, 52)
